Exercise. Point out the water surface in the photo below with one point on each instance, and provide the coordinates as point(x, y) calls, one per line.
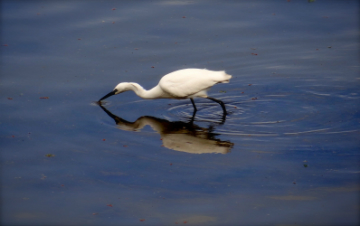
point(287, 153)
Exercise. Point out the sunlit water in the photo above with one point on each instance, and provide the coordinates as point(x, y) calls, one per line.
point(287, 152)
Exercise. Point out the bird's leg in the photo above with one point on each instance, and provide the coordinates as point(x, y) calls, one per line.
point(219, 102)
point(192, 118)
point(194, 113)
point(193, 103)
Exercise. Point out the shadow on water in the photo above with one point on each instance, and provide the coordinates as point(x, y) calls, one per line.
point(178, 135)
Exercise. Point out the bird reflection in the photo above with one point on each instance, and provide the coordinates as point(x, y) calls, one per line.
point(178, 136)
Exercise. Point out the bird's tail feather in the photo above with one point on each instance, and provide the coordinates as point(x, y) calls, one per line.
point(226, 78)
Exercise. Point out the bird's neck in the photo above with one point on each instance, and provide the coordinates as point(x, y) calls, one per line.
point(153, 93)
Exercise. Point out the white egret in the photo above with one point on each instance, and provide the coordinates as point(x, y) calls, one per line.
point(181, 84)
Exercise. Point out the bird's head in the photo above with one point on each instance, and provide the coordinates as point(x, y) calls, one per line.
point(121, 87)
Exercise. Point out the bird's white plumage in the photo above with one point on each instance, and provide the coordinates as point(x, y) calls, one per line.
point(191, 82)
point(181, 84)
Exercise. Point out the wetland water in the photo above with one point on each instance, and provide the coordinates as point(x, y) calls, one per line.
point(287, 153)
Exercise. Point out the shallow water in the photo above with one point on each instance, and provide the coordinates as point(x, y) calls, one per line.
point(287, 153)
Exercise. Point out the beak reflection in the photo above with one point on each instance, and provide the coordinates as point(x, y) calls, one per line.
point(178, 136)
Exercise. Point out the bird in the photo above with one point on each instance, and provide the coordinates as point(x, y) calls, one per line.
point(181, 84)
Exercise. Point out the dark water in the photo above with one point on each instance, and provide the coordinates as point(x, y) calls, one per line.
point(287, 153)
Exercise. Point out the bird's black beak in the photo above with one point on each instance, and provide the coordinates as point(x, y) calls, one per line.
point(108, 95)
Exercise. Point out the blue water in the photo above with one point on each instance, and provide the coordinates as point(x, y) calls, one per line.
point(287, 153)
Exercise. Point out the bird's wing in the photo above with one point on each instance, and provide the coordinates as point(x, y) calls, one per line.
point(187, 82)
